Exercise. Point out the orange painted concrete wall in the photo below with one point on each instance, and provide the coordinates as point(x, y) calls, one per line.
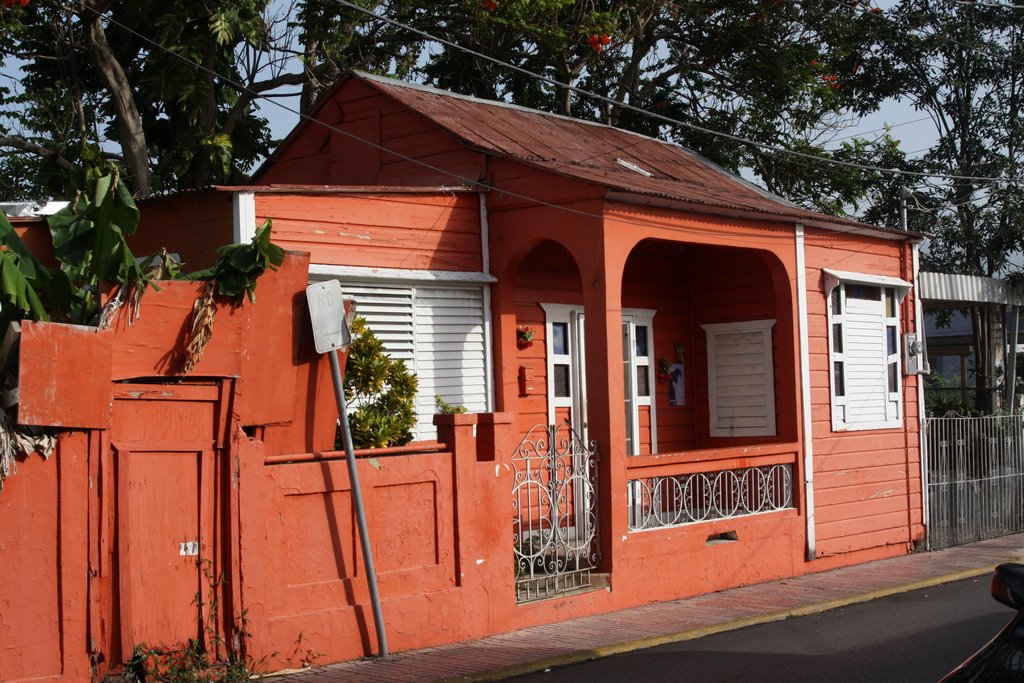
point(44, 519)
point(429, 231)
point(319, 155)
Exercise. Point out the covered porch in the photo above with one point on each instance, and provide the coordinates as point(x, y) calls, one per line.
point(667, 342)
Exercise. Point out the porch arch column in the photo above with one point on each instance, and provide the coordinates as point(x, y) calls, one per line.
point(606, 421)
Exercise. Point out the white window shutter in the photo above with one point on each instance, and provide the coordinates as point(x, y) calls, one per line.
point(866, 393)
point(388, 312)
point(741, 378)
point(450, 357)
point(439, 333)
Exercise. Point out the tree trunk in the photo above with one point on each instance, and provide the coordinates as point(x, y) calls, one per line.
point(129, 123)
point(201, 171)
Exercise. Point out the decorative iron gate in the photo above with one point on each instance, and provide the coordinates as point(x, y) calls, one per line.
point(975, 473)
point(554, 497)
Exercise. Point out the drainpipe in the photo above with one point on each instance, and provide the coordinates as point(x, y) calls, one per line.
point(485, 266)
point(1011, 361)
point(905, 193)
point(922, 363)
point(805, 390)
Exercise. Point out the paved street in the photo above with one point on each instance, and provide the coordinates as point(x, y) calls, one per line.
point(849, 590)
point(916, 636)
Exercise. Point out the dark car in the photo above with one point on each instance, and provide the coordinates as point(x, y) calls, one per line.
point(1003, 658)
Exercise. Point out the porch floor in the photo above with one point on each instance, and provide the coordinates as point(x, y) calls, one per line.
point(539, 647)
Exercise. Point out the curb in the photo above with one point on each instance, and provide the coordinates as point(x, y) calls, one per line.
point(692, 634)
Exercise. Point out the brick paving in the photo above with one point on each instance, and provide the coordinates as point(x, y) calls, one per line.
point(535, 648)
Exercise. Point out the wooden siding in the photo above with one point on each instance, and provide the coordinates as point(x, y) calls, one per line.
point(867, 482)
point(192, 224)
point(369, 144)
point(734, 285)
point(659, 277)
point(408, 231)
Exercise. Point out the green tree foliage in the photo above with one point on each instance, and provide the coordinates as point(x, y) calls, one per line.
point(965, 70)
point(381, 391)
point(963, 65)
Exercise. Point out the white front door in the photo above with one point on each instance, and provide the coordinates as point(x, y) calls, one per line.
point(566, 371)
point(566, 366)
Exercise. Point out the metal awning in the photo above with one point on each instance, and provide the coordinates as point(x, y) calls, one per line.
point(834, 277)
point(966, 289)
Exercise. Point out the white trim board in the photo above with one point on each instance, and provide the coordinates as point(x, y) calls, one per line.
point(323, 270)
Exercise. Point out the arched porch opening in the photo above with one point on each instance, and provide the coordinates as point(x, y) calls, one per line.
point(708, 348)
point(718, 437)
point(549, 339)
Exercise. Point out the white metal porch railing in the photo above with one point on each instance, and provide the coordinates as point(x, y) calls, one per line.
point(659, 502)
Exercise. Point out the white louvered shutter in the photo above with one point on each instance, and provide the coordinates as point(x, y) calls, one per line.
point(449, 336)
point(439, 333)
point(741, 378)
point(388, 311)
point(866, 392)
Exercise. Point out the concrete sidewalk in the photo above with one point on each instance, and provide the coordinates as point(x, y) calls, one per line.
point(576, 640)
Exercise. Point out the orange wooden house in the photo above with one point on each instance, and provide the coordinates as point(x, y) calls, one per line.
point(677, 381)
point(731, 365)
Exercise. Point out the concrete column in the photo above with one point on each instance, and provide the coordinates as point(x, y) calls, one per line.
point(606, 421)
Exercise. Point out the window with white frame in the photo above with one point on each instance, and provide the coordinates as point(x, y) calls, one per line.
point(566, 365)
point(741, 378)
point(439, 331)
point(637, 351)
point(563, 327)
point(864, 350)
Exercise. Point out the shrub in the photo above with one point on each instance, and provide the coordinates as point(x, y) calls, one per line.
point(380, 392)
point(445, 408)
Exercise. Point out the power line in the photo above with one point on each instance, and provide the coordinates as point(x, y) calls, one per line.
point(883, 128)
point(670, 121)
point(461, 179)
point(997, 5)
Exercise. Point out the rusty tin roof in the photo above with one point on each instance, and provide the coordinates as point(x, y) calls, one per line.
point(631, 166)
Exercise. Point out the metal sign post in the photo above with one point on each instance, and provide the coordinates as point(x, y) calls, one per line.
point(330, 333)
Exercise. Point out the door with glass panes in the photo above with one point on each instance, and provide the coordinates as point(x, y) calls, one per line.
point(566, 363)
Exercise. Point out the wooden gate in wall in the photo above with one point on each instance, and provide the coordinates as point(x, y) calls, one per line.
point(169, 456)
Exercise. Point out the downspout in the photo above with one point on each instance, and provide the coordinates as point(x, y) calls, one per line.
point(1011, 361)
point(485, 267)
point(922, 365)
point(805, 389)
point(243, 211)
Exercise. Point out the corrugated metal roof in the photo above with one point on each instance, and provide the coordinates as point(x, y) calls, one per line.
point(951, 288)
point(597, 153)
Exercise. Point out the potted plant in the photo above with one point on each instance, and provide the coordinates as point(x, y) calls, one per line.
point(524, 337)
